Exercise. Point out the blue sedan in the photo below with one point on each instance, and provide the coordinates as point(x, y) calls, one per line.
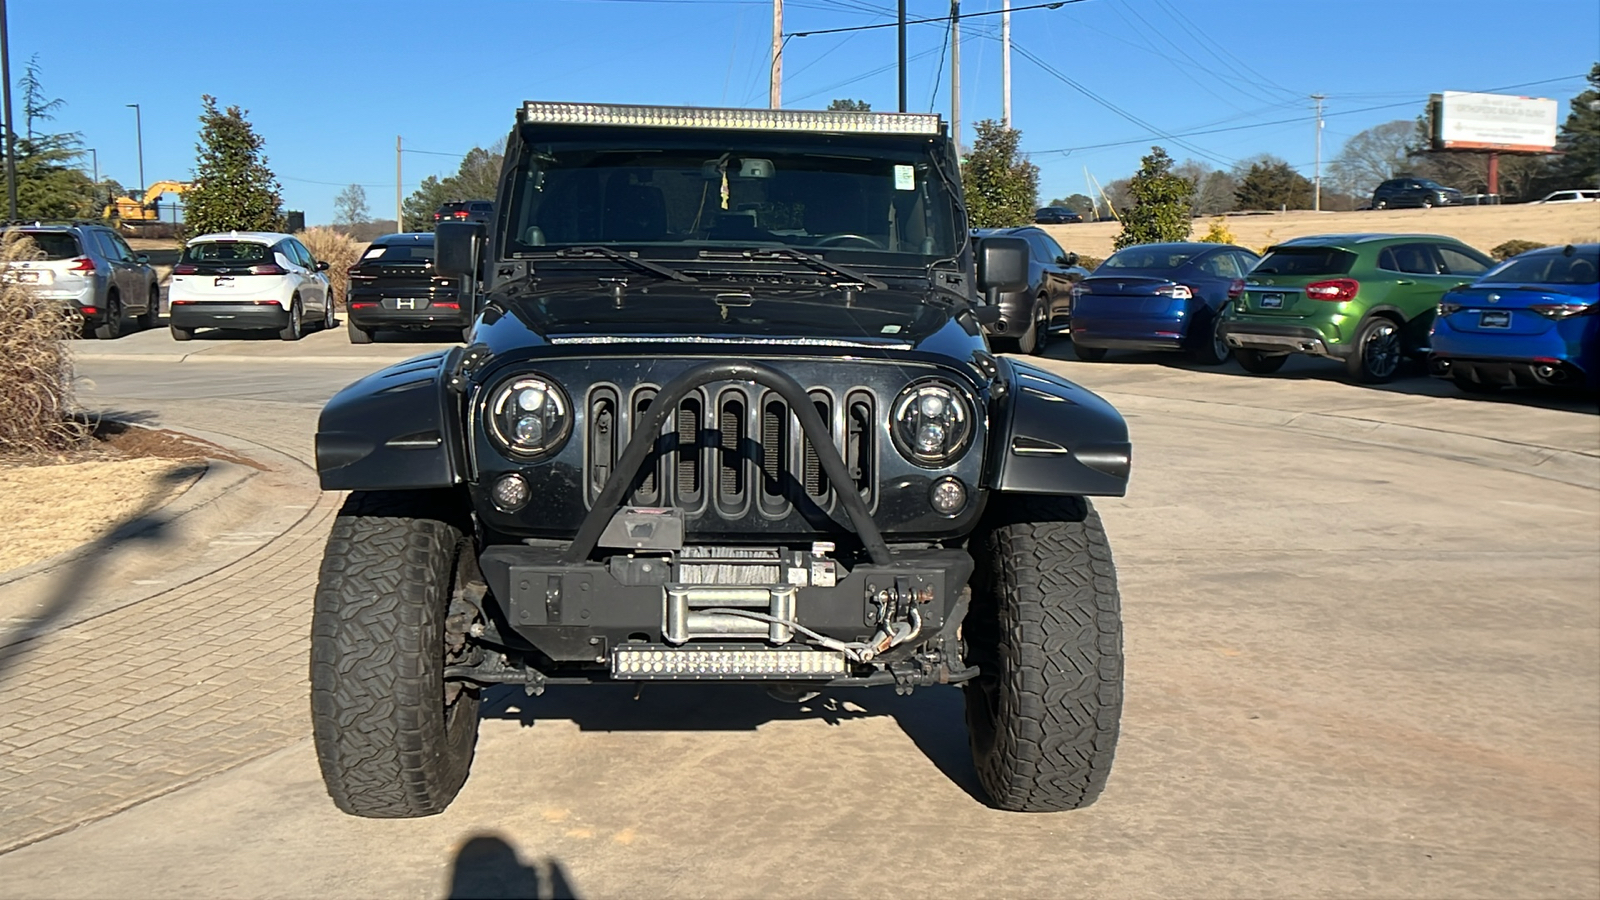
point(1532, 320)
point(1159, 297)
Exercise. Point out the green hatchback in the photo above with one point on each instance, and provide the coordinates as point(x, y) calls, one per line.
point(1367, 300)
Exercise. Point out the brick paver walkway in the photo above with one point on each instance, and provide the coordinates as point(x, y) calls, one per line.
point(143, 700)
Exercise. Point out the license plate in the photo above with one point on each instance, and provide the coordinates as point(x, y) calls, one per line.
point(1494, 319)
point(404, 303)
point(27, 277)
point(223, 281)
point(1272, 301)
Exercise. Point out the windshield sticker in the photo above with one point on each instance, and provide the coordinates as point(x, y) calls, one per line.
point(375, 251)
point(905, 178)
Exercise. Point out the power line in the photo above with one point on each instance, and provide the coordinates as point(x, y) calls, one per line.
point(1057, 4)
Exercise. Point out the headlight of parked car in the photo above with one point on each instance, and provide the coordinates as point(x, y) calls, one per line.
point(932, 423)
point(529, 416)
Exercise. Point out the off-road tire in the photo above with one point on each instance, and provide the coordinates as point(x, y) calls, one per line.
point(151, 317)
point(297, 326)
point(111, 328)
point(1257, 363)
point(357, 335)
point(1088, 354)
point(1045, 629)
point(388, 745)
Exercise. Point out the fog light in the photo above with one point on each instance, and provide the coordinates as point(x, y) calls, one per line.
point(510, 493)
point(948, 496)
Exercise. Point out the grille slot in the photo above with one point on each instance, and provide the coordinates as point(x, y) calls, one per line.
point(647, 494)
point(816, 483)
point(603, 445)
point(731, 456)
point(687, 452)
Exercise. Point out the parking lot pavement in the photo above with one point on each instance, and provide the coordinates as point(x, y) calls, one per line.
point(1353, 669)
point(333, 345)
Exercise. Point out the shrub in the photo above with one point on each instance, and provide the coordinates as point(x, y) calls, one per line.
point(339, 251)
point(1218, 233)
point(36, 409)
point(1512, 248)
point(1161, 202)
point(1089, 262)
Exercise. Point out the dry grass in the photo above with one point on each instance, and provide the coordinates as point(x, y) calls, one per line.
point(52, 509)
point(339, 251)
point(1479, 226)
point(36, 405)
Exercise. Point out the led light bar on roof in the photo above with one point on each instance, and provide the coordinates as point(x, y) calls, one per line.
point(540, 112)
point(724, 664)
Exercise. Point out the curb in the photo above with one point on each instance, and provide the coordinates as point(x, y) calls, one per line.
point(1573, 467)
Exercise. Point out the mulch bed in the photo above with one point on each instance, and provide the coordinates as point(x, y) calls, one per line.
point(112, 440)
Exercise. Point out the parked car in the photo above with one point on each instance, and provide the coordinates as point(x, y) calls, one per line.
point(1367, 300)
point(1057, 215)
point(1159, 297)
point(1532, 320)
point(94, 273)
point(249, 280)
point(1028, 315)
point(394, 286)
point(1574, 196)
point(465, 211)
point(1414, 192)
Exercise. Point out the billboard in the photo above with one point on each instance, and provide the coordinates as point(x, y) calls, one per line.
point(1467, 121)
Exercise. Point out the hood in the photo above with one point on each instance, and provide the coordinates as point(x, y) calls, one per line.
point(584, 313)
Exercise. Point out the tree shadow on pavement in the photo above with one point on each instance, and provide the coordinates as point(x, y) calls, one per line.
point(74, 579)
point(932, 717)
point(488, 868)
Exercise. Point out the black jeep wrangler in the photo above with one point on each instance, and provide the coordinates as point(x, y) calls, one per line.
point(727, 415)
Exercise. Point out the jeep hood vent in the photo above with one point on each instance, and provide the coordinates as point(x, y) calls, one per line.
point(730, 339)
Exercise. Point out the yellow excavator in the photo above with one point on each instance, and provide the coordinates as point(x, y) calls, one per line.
point(133, 212)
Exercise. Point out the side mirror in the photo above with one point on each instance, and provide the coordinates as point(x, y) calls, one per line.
point(455, 248)
point(1071, 259)
point(322, 266)
point(141, 259)
point(1002, 265)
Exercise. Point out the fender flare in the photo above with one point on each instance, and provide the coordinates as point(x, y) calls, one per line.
point(1050, 436)
point(396, 429)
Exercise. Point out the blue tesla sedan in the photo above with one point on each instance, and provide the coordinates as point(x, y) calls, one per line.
point(1532, 320)
point(1159, 297)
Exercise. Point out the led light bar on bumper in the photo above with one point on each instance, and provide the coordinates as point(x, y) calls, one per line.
point(540, 112)
point(653, 663)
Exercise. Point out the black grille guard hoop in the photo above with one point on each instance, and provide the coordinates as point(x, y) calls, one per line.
point(666, 401)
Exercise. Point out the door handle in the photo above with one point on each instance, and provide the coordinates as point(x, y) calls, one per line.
point(1403, 281)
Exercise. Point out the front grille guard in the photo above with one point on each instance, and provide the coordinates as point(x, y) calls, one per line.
point(665, 402)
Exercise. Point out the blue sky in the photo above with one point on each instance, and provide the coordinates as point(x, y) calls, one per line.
point(330, 85)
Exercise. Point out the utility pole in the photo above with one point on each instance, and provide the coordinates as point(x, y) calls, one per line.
point(11, 133)
point(399, 217)
point(94, 156)
point(902, 30)
point(955, 74)
point(775, 90)
point(1316, 199)
point(138, 121)
point(1005, 61)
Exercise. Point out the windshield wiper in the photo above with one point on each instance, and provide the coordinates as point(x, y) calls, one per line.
point(793, 255)
point(608, 253)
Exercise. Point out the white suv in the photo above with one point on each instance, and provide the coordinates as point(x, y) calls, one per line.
point(248, 279)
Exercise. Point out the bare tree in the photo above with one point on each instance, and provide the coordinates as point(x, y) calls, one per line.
point(1373, 156)
point(350, 207)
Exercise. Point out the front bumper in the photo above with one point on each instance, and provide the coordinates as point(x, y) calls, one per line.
point(228, 315)
point(1274, 338)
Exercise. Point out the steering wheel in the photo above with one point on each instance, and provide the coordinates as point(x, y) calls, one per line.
point(832, 239)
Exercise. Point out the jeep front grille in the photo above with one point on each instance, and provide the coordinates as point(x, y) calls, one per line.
point(731, 449)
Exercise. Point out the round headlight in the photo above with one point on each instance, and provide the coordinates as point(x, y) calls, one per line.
point(529, 416)
point(932, 423)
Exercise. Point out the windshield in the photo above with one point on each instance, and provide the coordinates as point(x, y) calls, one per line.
point(1547, 268)
point(1148, 258)
point(883, 205)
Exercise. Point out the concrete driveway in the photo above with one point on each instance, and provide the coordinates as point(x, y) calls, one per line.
point(1363, 657)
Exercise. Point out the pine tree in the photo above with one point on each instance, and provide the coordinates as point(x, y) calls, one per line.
point(49, 183)
point(233, 188)
point(1273, 185)
point(1161, 203)
point(1001, 185)
point(1579, 140)
point(477, 178)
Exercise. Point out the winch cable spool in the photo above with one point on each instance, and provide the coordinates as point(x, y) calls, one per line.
point(854, 651)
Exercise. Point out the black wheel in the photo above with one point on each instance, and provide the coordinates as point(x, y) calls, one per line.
point(296, 328)
point(328, 321)
point(393, 738)
point(1210, 348)
point(1475, 387)
point(1427, 202)
point(1045, 631)
point(1037, 337)
point(1257, 363)
point(357, 335)
point(1088, 354)
point(1378, 351)
point(111, 328)
point(151, 317)
point(181, 334)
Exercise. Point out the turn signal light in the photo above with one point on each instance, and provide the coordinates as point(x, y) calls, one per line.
point(1176, 291)
point(1236, 289)
point(1561, 310)
point(81, 264)
point(1336, 290)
